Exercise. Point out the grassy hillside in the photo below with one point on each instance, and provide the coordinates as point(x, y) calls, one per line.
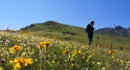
point(22, 51)
point(53, 29)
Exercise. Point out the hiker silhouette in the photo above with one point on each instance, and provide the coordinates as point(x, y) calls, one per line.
point(90, 31)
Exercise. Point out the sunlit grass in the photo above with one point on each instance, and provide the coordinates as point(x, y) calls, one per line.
point(34, 53)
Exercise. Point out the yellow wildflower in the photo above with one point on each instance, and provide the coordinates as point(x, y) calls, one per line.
point(76, 52)
point(39, 47)
point(16, 48)
point(65, 52)
point(70, 47)
point(98, 63)
point(93, 54)
point(43, 45)
point(20, 62)
point(47, 44)
point(103, 68)
point(54, 38)
point(111, 51)
point(72, 65)
point(17, 38)
point(1, 68)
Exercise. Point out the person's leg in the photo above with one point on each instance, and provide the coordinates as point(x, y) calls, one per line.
point(90, 37)
point(90, 40)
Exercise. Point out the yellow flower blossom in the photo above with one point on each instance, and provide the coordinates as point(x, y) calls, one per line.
point(47, 44)
point(1, 68)
point(111, 51)
point(70, 47)
point(19, 62)
point(98, 63)
point(93, 54)
point(65, 52)
point(103, 68)
point(43, 45)
point(39, 47)
point(72, 65)
point(54, 38)
point(17, 38)
point(76, 52)
point(16, 48)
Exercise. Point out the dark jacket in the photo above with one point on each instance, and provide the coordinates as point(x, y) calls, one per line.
point(90, 29)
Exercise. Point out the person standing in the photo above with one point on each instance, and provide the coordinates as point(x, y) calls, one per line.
point(90, 30)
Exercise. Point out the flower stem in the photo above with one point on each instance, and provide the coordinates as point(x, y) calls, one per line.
point(41, 58)
point(22, 68)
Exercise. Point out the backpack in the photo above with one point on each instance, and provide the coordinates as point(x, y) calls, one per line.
point(86, 30)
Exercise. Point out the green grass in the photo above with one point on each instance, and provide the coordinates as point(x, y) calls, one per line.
point(54, 29)
point(104, 40)
point(58, 55)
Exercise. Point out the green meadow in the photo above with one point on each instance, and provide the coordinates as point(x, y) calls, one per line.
point(54, 46)
point(65, 32)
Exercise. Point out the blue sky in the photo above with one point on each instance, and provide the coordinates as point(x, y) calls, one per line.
point(20, 13)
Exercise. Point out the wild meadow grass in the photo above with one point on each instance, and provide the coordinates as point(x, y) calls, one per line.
point(22, 51)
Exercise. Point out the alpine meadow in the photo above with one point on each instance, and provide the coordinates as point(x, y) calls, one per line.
point(55, 46)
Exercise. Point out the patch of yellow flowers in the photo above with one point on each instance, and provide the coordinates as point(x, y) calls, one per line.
point(65, 52)
point(111, 51)
point(43, 45)
point(21, 62)
point(76, 52)
point(15, 48)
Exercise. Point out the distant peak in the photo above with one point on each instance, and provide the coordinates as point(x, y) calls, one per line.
point(50, 22)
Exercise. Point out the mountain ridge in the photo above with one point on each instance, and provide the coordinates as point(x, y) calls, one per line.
point(118, 31)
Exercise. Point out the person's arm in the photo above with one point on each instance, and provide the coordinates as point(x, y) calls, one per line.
point(93, 28)
point(88, 28)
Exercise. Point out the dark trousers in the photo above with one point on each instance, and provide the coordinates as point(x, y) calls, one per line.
point(90, 37)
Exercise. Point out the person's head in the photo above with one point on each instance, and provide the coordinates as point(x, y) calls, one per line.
point(92, 22)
